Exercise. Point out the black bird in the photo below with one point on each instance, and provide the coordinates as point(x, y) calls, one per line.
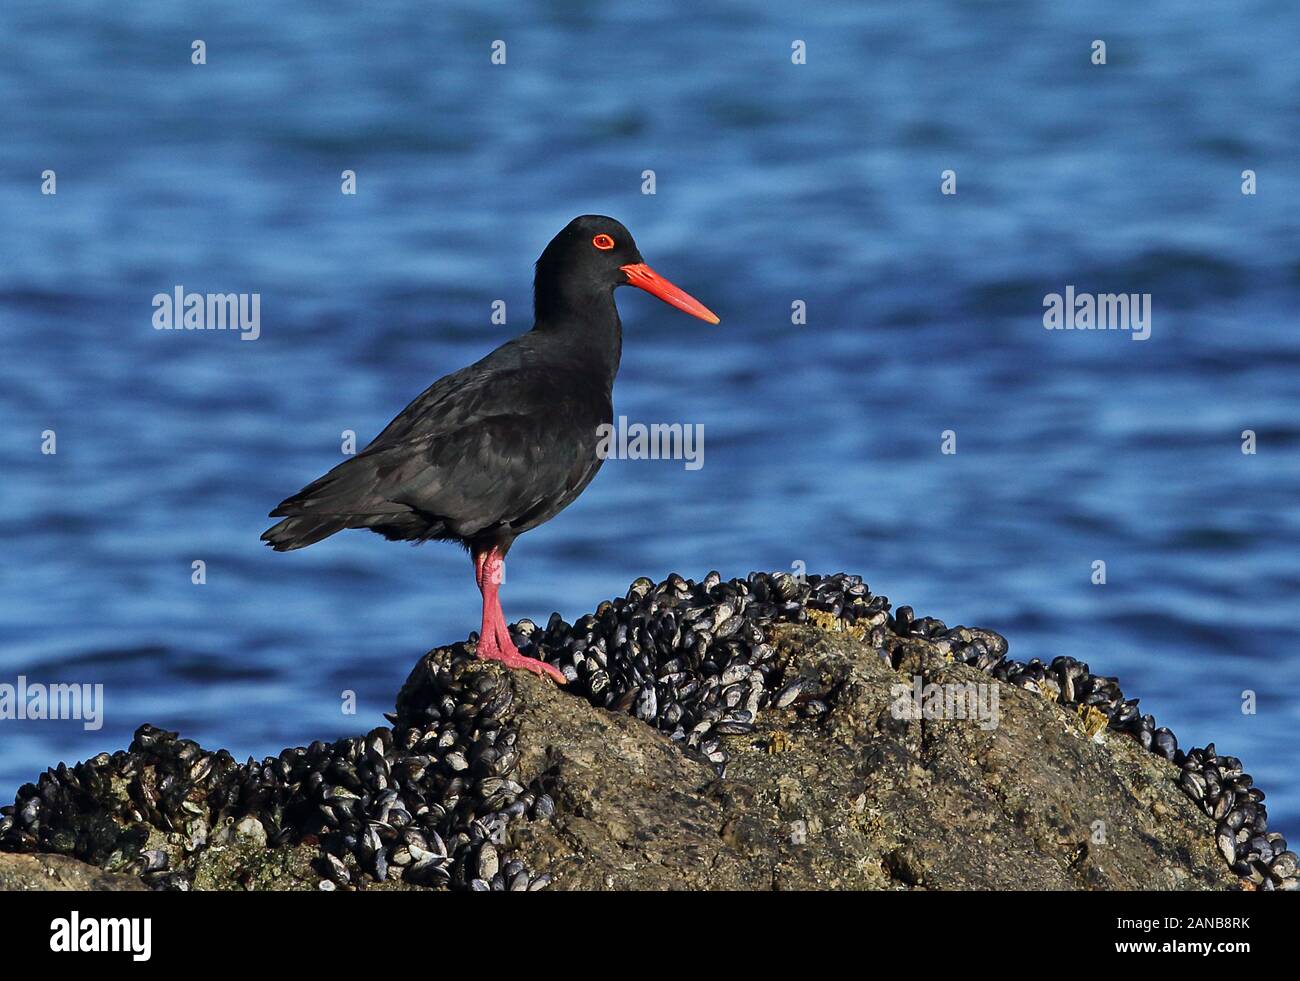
point(490, 451)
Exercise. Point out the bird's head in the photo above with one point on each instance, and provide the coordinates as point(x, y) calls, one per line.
point(595, 254)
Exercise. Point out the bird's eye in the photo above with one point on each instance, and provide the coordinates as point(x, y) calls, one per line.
point(603, 242)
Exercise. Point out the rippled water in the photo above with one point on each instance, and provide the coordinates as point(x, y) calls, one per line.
point(775, 182)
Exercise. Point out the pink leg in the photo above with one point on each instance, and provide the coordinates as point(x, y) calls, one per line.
point(494, 643)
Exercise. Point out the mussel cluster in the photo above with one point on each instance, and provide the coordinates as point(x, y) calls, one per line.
point(429, 799)
point(694, 659)
point(427, 803)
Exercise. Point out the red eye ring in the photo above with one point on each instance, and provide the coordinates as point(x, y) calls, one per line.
point(603, 242)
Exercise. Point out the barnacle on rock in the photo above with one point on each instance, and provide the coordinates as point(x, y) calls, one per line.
point(1094, 720)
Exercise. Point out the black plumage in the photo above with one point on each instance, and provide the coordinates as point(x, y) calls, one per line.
point(480, 456)
point(490, 451)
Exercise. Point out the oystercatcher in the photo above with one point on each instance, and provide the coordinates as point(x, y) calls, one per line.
point(490, 451)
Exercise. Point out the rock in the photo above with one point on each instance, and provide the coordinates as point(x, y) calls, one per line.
point(824, 745)
point(1034, 803)
point(59, 873)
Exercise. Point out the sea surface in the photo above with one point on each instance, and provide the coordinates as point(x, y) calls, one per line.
point(774, 183)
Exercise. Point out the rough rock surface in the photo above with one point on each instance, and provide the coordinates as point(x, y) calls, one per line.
point(854, 798)
point(860, 800)
point(57, 873)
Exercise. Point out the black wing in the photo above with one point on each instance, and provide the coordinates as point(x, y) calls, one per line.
point(497, 445)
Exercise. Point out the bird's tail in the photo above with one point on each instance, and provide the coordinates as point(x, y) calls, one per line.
point(349, 496)
point(324, 506)
point(302, 530)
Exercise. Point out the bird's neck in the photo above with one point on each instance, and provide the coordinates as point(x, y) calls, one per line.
point(586, 324)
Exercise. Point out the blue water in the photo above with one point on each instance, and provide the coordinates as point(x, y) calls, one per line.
point(774, 182)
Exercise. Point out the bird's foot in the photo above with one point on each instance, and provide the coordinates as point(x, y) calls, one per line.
point(506, 653)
